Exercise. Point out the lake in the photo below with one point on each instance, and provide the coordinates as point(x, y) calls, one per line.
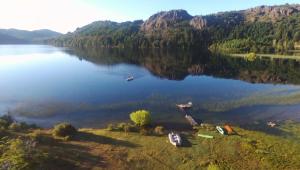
point(45, 85)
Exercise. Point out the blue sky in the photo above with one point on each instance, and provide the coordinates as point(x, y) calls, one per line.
point(135, 9)
point(67, 15)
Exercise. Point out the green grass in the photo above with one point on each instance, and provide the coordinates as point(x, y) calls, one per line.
point(104, 149)
point(295, 57)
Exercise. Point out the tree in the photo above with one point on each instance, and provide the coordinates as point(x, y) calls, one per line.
point(140, 117)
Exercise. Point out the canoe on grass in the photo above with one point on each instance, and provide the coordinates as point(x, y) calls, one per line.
point(220, 130)
point(229, 129)
point(175, 139)
point(205, 136)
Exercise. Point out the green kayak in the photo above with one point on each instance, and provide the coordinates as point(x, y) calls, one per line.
point(205, 136)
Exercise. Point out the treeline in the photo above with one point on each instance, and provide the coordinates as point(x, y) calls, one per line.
point(128, 35)
point(228, 32)
point(260, 36)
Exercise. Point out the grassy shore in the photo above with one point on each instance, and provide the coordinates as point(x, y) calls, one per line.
point(277, 148)
point(272, 56)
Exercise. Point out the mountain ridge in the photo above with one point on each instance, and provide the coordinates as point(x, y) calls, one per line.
point(17, 36)
point(262, 28)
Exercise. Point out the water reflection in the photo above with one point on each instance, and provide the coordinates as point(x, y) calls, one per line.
point(88, 87)
point(178, 64)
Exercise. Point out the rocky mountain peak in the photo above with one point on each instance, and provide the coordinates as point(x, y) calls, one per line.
point(198, 22)
point(272, 13)
point(165, 19)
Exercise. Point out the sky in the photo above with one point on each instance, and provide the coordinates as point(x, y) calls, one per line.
point(66, 15)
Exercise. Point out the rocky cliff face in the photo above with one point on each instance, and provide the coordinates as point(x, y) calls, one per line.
point(163, 20)
point(169, 19)
point(198, 22)
point(271, 13)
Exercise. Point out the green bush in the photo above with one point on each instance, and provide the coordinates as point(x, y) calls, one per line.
point(140, 117)
point(213, 167)
point(21, 154)
point(110, 127)
point(64, 130)
point(5, 121)
point(145, 132)
point(159, 130)
point(121, 126)
point(15, 126)
point(251, 56)
point(40, 137)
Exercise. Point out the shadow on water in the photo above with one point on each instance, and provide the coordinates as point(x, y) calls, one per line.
point(90, 137)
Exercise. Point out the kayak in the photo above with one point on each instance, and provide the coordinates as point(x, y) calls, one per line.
point(205, 136)
point(220, 130)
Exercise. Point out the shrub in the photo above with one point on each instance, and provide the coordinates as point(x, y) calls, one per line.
point(251, 56)
point(15, 126)
point(110, 127)
point(40, 137)
point(213, 167)
point(21, 154)
point(5, 121)
point(3, 124)
point(159, 130)
point(145, 132)
point(64, 130)
point(140, 117)
point(121, 126)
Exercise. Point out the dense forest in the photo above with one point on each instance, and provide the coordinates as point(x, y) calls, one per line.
point(259, 29)
point(15, 36)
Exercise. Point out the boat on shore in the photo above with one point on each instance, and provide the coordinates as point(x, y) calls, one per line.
point(205, 136)
point(220, 130)
point(229, 130)
point(185, 106)
point(175, 139)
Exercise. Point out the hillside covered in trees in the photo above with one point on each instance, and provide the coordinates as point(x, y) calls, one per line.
point(259, 29)
point(15, 36)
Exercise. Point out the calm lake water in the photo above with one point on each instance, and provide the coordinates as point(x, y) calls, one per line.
point(45, 85)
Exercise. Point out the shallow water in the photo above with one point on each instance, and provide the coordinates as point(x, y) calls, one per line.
point(45, 85)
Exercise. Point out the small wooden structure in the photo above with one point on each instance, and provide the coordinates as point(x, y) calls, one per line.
point(271, 124)
point(191, 120)
point(185, 106)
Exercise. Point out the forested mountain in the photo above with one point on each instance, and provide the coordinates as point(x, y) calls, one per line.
point(14, 36)
point(259, 29)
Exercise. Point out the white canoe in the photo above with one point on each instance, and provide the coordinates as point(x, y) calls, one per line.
point(175, 139)
point(220, 130)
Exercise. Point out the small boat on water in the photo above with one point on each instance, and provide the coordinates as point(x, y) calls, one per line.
point(175, 139)
point(129, 78)
point(220, 130)
point(271, 124)
point(185, 106)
